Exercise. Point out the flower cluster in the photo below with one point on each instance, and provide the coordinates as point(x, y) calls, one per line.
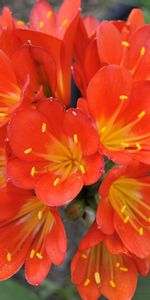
point(96, 152)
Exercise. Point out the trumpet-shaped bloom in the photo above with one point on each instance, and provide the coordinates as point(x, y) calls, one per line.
point(56, 152)
point(125, 207)
point(102, 266)
point(121, 110)
point(30, 233)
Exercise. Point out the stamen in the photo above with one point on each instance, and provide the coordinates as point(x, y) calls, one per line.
point(126, 145)
point(20, 23)
point(75, 138)
point(138, 146)
point(112, 283)
point(97, 277)
point(123, 208)
point(123, 97)
point(103, 129)
point(126, 219)
point(125, 43)
point(123, 269)
point(33, 171)
point(142, 114)
point(84, 256)
point(32, 253)
point(29, 150)
point(141, 231)
point(40, 214)
point(82, 169)
point(9, 257)
point(49, 14)
point(142, 52)
point(39, 255)
point(56, 181)
point(64, 23)
point(41, 24)
point(43, 127)
point(3, 115)
point(117, 264)
point(87, 282)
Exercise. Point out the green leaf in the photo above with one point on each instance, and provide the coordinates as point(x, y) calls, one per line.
point(11, 289)
point(143, 291)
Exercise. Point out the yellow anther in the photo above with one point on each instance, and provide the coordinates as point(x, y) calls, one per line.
point(125, 44)
point(27, 151)
point(9, 257)
point(97, 277)
point(32, 253)
point(82, 169)
point(141, 231)
point(84, 256)
point(142, 52)
point(39, 255)
point(123, 97)
point(56, 181)
point(112, 283)
point(33, 171)
point(125, 145)
point(75, 138)
point(103, 129)
point(123, 269)
point(40, 214)
point(149, 219)
point(20, 23)
point(64, 23)
point(138, 146)
point(117, 264)
point(49, 14)
point(126, 219)
point(41, 24)
point(123, 208)
point(87, 282)
point(43, 127)
point(142, 114)
point(3, 115)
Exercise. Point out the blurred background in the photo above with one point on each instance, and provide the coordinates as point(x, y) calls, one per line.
point(57, 286)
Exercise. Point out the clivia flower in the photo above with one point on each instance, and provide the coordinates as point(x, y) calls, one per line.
point(125, 206)
point(121, 110)
point(56, 152)
point(102, 265)
point(30, 233)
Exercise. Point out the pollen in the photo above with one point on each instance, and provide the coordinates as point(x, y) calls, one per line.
point(49, 14)
point(123, 97)
point(138, 146)
point(123, 208)
point(41, 24)
point(39, 255)
point(97, 277)
point(142, 52)
point(43, 127)
point(126, 220)
point(40, 214)
point(33, 171)
point(32, 253)
point(112, 283)
point(117, 264)
point(103, 129)
point(75, 138)
point(20, 23)
point(82, 169)
point(56, 181)
point(124, 269)
point(125, 44)
point(84, 256)
point(141, 231)
point(27, 151)
point(142, 114)
point(87, 282)
point(9, 257)
point(65, 22)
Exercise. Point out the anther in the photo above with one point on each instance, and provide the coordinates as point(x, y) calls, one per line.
point(3, 115)
point(20, 23)
point(9, 257)
point(84, 256)
point(87, 282)
point(141, 231)
point(112, 283)
point(32, 253)
point(27, 151)
point(142, 114)
point(65, 22)
point(125, 44)
point(41, 24)
point(117, 264)
point(33, 171)
point(126, 145)
point(123, 97)
point(49, 13)
point(123, 269)
point(103, 129)
point(43, 127)
point(97, 277)
point(40, 214)
point(126, 219)
point(138, 146)
point(82, 169)
point(56, 181)
point(142, 52)
point(39, 255)
point(123, 208)
point(75, 138)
